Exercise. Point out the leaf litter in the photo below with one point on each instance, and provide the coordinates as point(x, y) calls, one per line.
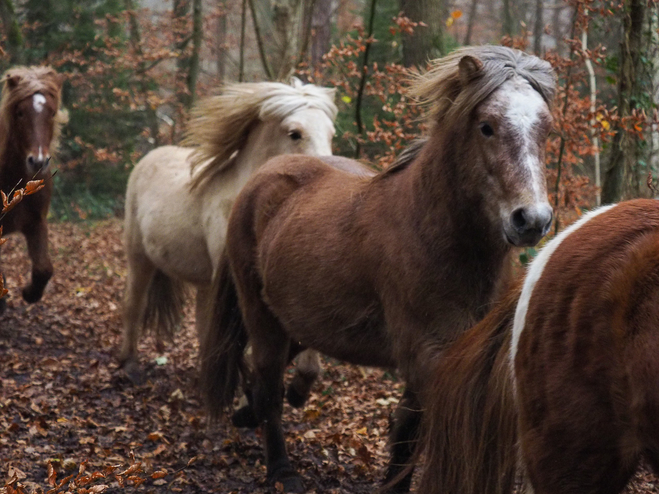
point(71, 421)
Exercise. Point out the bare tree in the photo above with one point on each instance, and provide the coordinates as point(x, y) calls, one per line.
point(321, 32)
point(426, 41)
point(622, 178)
point(13, 30)
point(197, 37)
point(473, 10)
point(221, 46)
point(507, 22)
point(538, 28)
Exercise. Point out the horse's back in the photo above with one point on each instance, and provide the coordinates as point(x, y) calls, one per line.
point(586, 365)
point(294, 226)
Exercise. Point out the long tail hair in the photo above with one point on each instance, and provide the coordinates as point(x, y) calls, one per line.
point(164, 307)
point(223, 341)
point(470, 422)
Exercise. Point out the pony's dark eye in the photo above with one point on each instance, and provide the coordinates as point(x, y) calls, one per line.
point(486, 130)
point(296, 135)
point(19, 113)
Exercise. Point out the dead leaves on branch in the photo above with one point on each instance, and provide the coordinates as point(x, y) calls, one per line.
point(30, 188)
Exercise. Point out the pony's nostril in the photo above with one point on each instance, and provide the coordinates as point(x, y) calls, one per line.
point(518, 219)
point(30, 160)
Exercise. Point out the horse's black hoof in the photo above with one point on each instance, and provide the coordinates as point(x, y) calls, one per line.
point(133, 372)
point(244, 417)
point(31, 295)
point(295, 398)
point(291, 481)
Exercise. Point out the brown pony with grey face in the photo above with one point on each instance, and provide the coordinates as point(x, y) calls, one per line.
point(30, 123)
point(384, 271)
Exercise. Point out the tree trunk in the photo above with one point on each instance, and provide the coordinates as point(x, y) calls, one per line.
point(623, 175)
point(221, 46)
point(427, 41)
point(473, 10)
point(538, 28)
point(243, 21)
point(321, 20)
point(181, 11)
point(197, 38)
point(507, 23)
point(11, 27)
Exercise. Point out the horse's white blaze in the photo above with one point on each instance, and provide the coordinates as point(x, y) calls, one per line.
point(38, 101)
point(535, 272)
point(40, 158)
point(523, 112)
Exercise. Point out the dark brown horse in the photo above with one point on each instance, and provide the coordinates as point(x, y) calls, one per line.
point(30, 122)
point(382, 271)
point(560, 379)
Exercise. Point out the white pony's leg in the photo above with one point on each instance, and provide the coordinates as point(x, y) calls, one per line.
point(307, 369)
point(140, 273)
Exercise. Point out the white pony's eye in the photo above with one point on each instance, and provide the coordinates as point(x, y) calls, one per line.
point(296, 135)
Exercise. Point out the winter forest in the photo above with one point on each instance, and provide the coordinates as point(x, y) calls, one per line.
point(81, 411)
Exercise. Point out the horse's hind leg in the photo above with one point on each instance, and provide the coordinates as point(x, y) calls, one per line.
point(36, 236)
point(270, 355)
point(404, 436)
point(138, 279)
point(307, 369)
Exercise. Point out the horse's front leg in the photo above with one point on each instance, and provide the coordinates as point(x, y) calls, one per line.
point(36, 235)
point(403, 437)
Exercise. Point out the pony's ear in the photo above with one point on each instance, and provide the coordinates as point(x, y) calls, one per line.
point(60, 78)
point(13, 81)
point(296, 83)
point(469, 69)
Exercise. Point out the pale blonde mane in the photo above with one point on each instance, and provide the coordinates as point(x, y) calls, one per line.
point(220, 124)
point(447, 99)
point(26, 82)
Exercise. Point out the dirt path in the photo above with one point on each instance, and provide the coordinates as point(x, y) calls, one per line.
point(63, 401)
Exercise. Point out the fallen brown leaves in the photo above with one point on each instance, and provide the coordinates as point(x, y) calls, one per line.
point(68, 414)
point(71, 422)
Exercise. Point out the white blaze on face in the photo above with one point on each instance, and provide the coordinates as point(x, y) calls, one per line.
point(525, 106)
point(38, 101)
point(534, 273)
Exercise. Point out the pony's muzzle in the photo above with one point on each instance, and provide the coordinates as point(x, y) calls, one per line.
point(38, 163)
point(529, 225)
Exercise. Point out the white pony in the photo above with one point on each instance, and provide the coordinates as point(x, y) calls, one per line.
point(179, 198)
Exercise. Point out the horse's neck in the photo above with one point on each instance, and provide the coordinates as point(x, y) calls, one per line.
point(450, 208)
point(12, 166)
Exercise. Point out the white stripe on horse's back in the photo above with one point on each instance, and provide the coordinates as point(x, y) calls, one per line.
point(38, 100)
point(535, 272)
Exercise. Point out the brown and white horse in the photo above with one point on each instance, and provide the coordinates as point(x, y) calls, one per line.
point(178, 199)
point(30, 123)
point(380, 271)
point(561, 380)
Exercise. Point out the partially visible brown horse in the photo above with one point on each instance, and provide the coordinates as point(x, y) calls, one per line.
point(30, 123)
point(560, 380)
point(382, 271)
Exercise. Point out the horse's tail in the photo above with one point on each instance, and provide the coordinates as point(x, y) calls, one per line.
point(164, 306)
point(222, 340)
point(470, 422)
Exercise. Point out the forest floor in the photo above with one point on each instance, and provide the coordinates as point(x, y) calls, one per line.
point(65, 402)
point(66, 407)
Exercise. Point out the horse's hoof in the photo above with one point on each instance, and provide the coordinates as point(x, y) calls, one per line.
point(291, 481)
point(3, 304)
point(31, 294)
point(294, 398)
point(244, 417)
point(132, 370)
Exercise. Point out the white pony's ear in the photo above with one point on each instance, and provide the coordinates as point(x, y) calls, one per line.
point(331, 92)
point(296, 83)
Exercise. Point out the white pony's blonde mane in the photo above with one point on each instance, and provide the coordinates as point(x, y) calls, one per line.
point(220, 124)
